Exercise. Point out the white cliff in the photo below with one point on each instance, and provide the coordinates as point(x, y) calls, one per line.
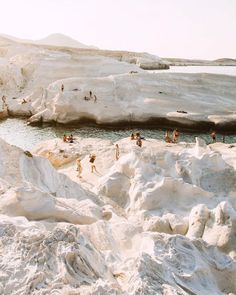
point(31, 77)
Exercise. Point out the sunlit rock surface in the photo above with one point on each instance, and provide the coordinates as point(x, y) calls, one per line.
point(159, 220)
point(31, 79)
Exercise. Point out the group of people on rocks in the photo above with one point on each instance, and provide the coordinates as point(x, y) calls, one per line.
point(91, 95)
point(138, 138)
point(79, 168)
point(134, 136)
point(175, 136)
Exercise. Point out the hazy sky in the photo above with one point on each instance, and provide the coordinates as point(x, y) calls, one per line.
point(168, 28)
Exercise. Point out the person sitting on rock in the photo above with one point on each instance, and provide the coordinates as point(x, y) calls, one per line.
point(23, 101)
point(175, 136)
point(139, 141)
point(167, 137)
point(90, 94)
point(137, 135)
point(71, 138)
point(64, 138)
point(79, 167)
point(92, 160)
point(213, 136)
point(132, 136)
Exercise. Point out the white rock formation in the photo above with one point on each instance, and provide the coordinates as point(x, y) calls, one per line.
point(31, 77)
point(145, 224)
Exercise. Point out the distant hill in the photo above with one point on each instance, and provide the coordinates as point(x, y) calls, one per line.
point(51, 40)
point(61, 40)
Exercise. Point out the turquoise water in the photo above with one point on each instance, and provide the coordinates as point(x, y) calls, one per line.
point(17, 132)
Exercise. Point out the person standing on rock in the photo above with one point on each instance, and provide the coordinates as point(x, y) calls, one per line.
point(117, 152)
point(92, 160)
point(79, 167)
point(95, 98)
point(213, 136)
point(175, 136)
point(90, 94)
point(167, 137)
point(62, 87)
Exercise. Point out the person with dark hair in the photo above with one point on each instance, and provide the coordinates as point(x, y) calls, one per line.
point(62, 87)
point(90, 94)
point(132, 136)
point(92, 160)
point(139, 141)
point(213, 136)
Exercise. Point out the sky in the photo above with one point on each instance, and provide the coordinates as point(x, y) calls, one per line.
point(203, 29)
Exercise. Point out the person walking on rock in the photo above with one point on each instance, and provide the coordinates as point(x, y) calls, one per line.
point(79, 167)
point(92, 160)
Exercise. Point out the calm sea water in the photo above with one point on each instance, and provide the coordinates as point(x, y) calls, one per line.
point(223, 70)
point(17, 132)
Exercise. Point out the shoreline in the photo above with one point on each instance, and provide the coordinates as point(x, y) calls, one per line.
point(152, 123)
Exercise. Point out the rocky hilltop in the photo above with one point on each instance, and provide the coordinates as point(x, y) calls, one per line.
point(159, 220)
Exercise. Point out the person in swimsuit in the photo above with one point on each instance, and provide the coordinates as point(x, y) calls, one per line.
point(167, 137)
point(175, 136)
point(79, 167)
point(92, 160)
point(62, 87)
